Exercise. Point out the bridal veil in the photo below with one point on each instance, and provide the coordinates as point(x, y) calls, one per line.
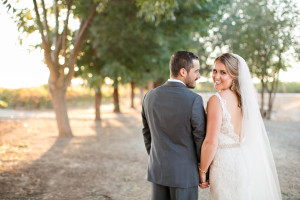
point(254, 141)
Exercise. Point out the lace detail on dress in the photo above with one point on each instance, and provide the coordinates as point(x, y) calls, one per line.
point(227, 136)
point(228, 175)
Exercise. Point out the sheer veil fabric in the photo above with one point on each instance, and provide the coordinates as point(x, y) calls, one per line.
point(254, 142)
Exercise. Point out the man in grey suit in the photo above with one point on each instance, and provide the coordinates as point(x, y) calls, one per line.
point(174, 125)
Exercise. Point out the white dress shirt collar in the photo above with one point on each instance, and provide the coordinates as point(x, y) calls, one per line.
point(175, 80)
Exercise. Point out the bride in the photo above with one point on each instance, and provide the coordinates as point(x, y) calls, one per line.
point(236, 147)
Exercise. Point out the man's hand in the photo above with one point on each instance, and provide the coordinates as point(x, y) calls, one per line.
point(203, 182)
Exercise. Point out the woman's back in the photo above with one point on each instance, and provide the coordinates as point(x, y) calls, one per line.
point(231, 103)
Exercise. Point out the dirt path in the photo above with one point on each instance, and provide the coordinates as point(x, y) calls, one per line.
point(105, 160)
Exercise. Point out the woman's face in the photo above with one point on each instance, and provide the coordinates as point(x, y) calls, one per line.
point(222, 79)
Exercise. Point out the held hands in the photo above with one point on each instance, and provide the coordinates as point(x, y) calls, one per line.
point(203, 182)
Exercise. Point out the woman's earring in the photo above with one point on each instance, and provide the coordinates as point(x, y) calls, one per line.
point(232, 85)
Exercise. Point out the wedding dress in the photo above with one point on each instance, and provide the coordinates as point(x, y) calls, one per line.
point(228, 172)
point(243, 167)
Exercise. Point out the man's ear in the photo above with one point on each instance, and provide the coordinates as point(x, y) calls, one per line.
point(182, 72)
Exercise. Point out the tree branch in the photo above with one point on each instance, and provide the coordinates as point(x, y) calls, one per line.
point(65, 32)
point(56, 37)
point(64, 45)
point(56, 21)
point(58, 46)
point(45, 24)
point(79, 39)
point(40, 26)
point(45, 45)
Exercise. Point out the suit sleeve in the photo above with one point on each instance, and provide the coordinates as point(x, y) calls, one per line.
point(198, 122)
point(146, 129)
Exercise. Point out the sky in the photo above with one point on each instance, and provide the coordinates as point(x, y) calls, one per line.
point(18, 67)
point(21, 68)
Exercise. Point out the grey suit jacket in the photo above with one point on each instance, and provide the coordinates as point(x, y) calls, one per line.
point(174, 125)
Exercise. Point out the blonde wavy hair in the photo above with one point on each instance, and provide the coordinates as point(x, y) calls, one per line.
point(232, 65)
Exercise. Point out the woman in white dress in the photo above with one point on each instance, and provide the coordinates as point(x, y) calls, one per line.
point(236, 147)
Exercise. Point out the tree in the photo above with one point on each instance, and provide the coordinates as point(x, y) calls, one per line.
point(262, 34)
point(125, 43)
point(90, 68)
point(60, 43)
point(125, 35)
point(180, 25)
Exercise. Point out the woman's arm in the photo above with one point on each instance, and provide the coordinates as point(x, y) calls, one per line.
point(210, 144)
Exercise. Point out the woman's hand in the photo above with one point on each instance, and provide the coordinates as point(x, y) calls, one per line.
point(203, 183)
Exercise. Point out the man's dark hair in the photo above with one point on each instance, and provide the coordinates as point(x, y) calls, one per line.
point(181, 59)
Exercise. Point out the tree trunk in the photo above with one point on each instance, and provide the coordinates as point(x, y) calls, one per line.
point(132, 94)
point(60, 108)
point(55, 45)
point(141, 94)
point(98, 98)
point(262, 110)
point(150, 84)
point(272, 94)
point(116, 99)
point(270, 106)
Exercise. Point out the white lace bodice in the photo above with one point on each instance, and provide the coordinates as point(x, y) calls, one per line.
point(227, 136)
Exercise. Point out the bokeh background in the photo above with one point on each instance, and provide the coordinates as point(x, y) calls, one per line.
point(73, 74)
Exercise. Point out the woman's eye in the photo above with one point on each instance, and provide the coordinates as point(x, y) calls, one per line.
point(223, 72)
point(215, 71)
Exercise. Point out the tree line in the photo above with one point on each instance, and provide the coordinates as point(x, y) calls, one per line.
point(130, 41)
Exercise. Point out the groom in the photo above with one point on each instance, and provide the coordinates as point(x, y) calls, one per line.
point(174, 123)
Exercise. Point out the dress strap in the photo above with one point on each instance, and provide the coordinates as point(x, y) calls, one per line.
point(221, 101)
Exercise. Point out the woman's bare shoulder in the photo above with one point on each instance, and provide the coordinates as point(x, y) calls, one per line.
point(228, 95)
point(213, 102)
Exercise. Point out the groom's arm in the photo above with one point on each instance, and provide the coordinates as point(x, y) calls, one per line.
point(146, 130)
point(198, 122)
